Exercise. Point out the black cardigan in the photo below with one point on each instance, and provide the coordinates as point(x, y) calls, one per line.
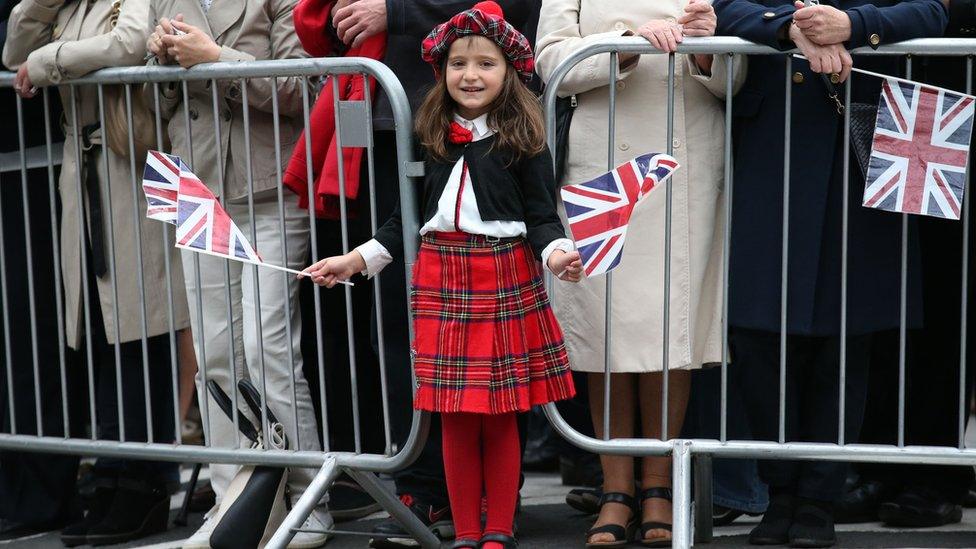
point(506, 190)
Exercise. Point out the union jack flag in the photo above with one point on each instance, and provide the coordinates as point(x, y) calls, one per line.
point(598, 210)
point(920, 150)
point(161, 184)
point(203, 225)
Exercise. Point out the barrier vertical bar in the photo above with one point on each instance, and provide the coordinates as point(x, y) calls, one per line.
point(611, 122)
point(283, 241)
point(726, 248)
point(343, 223)
point(316, 290)
point(137, 223)
point(666, 337)
point(681, 481)
point(842, 380)
point(6, 325)
point(784, 268)
point(964, 299)
point(259, 328)
point(903, 312)
point(29, 257)
point(112, 269)
point(170, 302)
point(228, 296)
point(56, 253)
point(83, 244)
point(377, 296)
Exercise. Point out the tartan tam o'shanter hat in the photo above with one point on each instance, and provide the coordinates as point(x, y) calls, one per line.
point(483, 19)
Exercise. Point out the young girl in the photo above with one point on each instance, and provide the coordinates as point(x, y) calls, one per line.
point(486, 342)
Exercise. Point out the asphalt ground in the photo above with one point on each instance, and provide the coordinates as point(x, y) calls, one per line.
point(547, 522)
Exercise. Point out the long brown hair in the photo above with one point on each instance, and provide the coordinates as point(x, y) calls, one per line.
point(515, 116)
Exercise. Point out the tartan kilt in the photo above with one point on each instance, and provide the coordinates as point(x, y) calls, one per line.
point(485, 338)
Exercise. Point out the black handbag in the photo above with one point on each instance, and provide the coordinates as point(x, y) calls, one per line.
point(254, 506)
point(564, 117)
point(863, 118)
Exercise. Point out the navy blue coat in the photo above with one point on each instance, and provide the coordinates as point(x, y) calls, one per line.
point(816, 170)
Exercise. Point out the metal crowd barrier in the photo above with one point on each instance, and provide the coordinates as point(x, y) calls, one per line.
point(361, 466)
point(692, 521)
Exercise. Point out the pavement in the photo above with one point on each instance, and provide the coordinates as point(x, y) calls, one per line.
point(546, 522)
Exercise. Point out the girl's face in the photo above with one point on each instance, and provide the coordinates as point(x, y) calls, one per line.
point(474, 74)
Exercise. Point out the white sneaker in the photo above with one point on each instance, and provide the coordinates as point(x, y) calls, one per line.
point(319, 520)
point(201, 538)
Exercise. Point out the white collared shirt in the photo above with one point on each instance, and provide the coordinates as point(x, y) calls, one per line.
point(469, 221)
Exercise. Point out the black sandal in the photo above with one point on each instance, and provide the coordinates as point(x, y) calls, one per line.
point(658, 492)
point(621, 533)
point(508, 542)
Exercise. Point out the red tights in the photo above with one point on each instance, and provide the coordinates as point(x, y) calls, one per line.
point(482, 453)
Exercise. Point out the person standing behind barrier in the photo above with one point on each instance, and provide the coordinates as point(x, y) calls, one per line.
point(697, 229)
point(52, 41)
point(259, 348)
point(486, 344)
point(801, 493)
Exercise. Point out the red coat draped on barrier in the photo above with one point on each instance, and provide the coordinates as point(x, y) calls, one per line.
point(312, 21)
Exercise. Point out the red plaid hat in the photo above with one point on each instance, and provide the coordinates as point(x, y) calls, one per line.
point(484, 19)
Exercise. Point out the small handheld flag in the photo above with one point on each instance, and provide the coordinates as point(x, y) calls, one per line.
point(599, 210)
point(920, 150)
point(176, 195)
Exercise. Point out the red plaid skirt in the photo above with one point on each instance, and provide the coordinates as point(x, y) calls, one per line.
point(485, 338)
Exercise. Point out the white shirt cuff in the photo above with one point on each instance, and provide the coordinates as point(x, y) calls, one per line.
point(376, 257)
point(563, 244)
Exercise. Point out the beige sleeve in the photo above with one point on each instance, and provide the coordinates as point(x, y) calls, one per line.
point(559, 36)
point(284, 45)
point(716, 81)
point(31, 26)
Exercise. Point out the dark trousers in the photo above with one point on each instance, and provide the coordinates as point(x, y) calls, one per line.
point(35, 489)
point(811, 402)
point(932, 372)
point(133, 392)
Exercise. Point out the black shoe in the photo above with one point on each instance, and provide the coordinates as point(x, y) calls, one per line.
point(774, 528)
point(390, 535)
point(97, 491)
point(813, 525)
point(585, 500)
point(919, 508)
point(860, 504)
point(348, 501)
point(724, 516)
point(140, 508)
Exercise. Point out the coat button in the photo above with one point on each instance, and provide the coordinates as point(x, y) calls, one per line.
point(676, 143)
point(670, 19)
point(194, 114)
point(797, 77)
point(225, 115)
point(623, 147)
point(769, 14)
point(619, 26)
point(874, 39)
point(234, 92)
point(621, 85)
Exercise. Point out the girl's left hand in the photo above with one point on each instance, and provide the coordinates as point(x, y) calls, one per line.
point(192, 47)
point(22, 83)
point(566, 265)
point(699, 19)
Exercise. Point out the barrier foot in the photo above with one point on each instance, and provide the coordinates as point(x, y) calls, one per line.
point(305, 504)
point(681, 488)
point(703, 498)
point(400, 512)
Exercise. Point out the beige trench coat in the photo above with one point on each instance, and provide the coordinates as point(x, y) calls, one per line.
point(637, 293)
point(245, 30)
point(59, 41)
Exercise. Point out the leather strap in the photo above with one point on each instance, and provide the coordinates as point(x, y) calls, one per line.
point(618, 497)
point(507, 541)
point(658, 492)
point(89, 180)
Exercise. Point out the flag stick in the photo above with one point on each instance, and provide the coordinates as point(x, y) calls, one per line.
point(258, 263)
point(904, 80)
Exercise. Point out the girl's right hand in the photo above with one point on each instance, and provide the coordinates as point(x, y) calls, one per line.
point(155, 43)
point(329, 271)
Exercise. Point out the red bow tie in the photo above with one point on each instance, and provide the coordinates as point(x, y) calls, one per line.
point(459, 134)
